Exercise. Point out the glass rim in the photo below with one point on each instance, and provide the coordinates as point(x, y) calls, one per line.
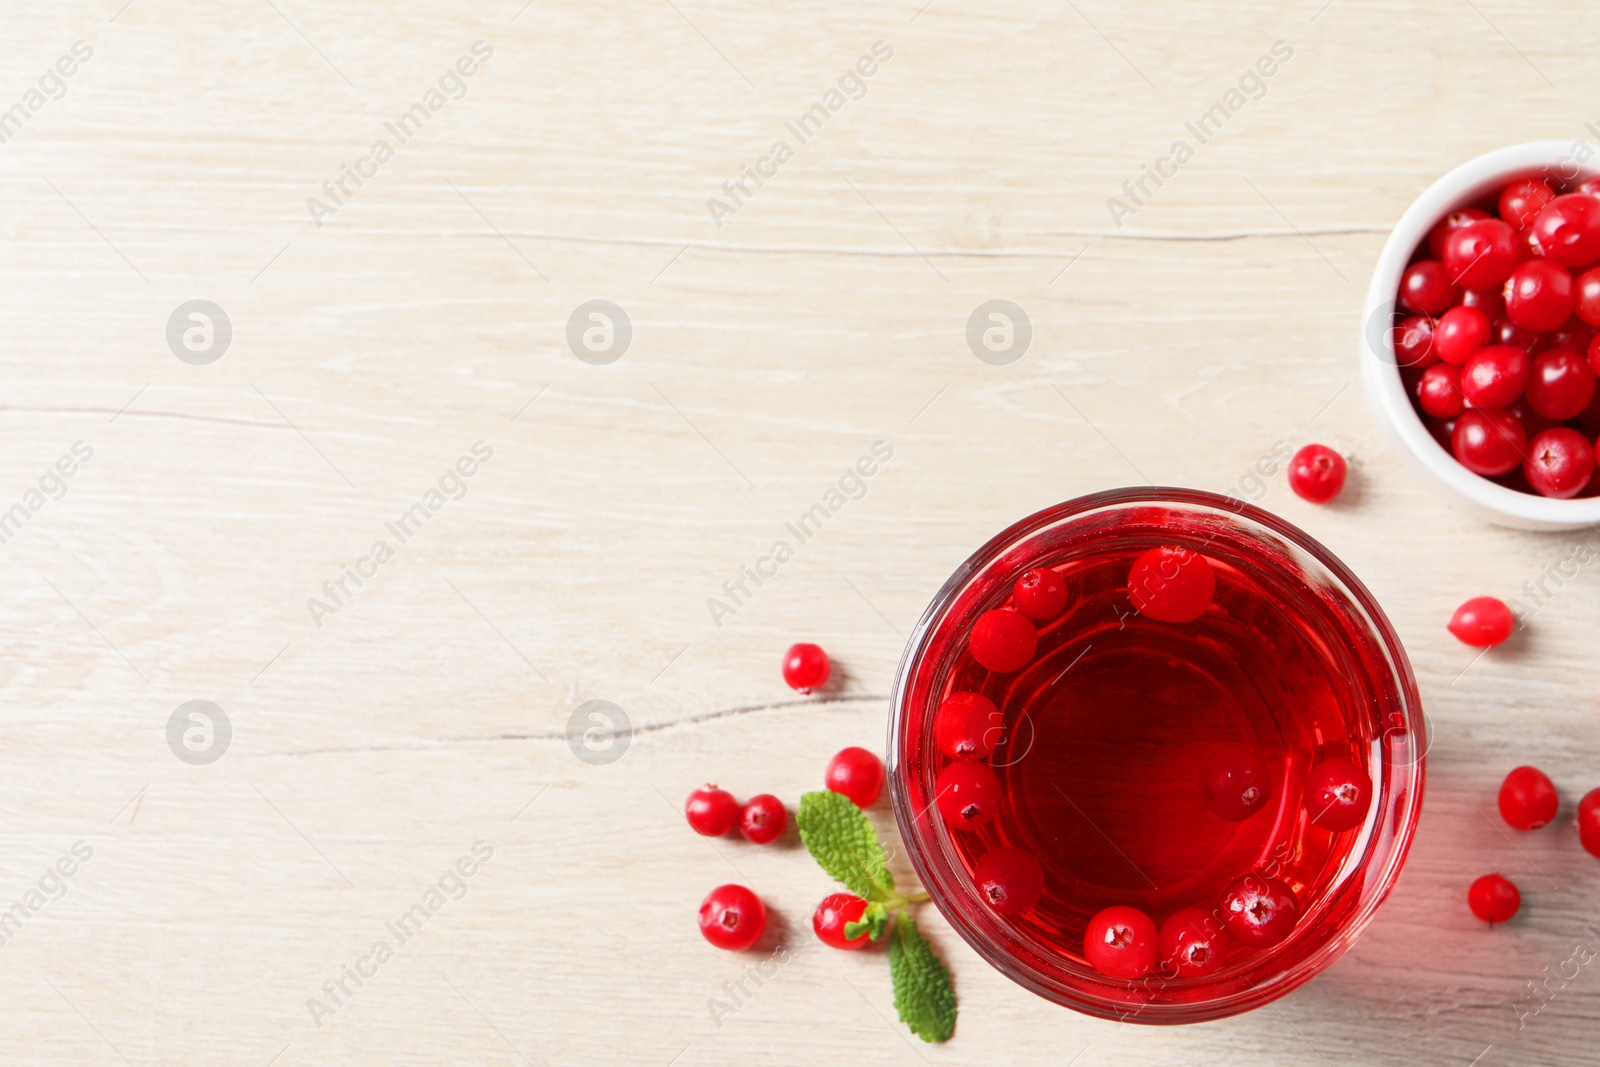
point(1402, 786)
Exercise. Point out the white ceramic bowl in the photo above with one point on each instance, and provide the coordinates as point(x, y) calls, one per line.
point(1469, 183)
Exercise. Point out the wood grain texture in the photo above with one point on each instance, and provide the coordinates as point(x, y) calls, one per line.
point(430, 711)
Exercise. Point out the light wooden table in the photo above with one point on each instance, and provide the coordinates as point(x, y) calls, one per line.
point(373, 743)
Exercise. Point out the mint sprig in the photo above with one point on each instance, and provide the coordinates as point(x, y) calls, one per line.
point(844, 841)
point(873, 923)
point(922, 992)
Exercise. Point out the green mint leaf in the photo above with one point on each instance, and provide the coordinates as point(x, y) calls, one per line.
point(844, 842)
point(922, 992)
point(874, 921)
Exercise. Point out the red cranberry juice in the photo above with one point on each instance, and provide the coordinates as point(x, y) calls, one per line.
point(1105, 731)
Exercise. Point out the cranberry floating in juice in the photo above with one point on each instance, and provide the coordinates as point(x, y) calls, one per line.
point(1188, 785)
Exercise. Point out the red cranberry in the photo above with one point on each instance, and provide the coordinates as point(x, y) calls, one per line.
point(1494, 376)
point(1338, 793)
point(1439, 391)
point(763, 818)
point(1235, 783)
point(805, 667)
point(1488, 442)
point(1455, 219)
point(1521, 200)
point(1171, 584)
point(1539, 295)
point(1589, 186)
point(1574, 333)
point(1589, 822)
point(1481, 254)
point(1560, 383)
point(830, 918)
point(1258, 910)
point(711, 811)
point(1316, 473)
point(732, 917)
point(1568, 229)
point(1425, 288)
point(1530, 248)
point(1413, 342)
point(1560, 461)
point(1586, 296)
point(1488, 301)
point(1460, 332)
point(856, 773)
point(1009, 880)
point(1120, 942)
point(1040, 594)
point(1192, 943)
point(1528, 799)
point(1493, 899)
point(1505, 332)
point(1003, 640)
point(1482, 622)
point(966, 726)
point(968, 794)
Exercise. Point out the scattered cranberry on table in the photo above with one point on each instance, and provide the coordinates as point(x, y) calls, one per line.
point(856, 773)
point(1009, 879)
point(1482, 622)
point(1120, 942)
point(1316, 473)
point(805, 667)
point(1493, 899)
point(712, 812)
point(1003, 640)
point(966, 726)
point(763, 818)
point(830, 918)
point(1589, 822)
point(1528, 799)
point(732, 917)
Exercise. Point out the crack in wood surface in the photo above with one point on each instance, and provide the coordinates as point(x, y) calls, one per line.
point(632, 731)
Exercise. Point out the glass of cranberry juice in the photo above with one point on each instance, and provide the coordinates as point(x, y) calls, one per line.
point(1102, 742)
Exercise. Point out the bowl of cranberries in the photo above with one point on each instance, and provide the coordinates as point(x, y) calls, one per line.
point(1482, 337)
